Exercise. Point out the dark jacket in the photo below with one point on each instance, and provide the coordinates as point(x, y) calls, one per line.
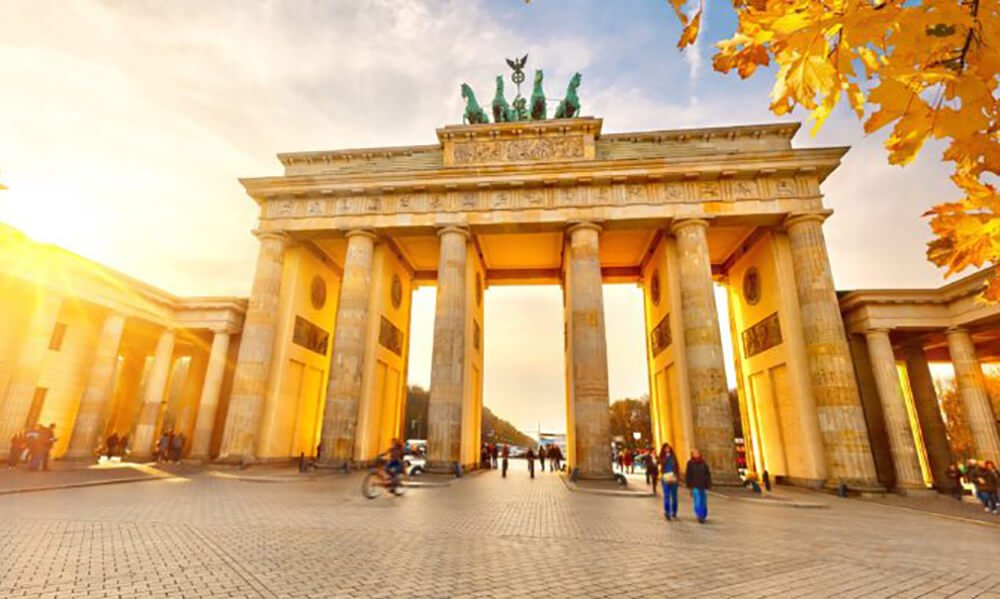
point(698, 476)
point(986, 480)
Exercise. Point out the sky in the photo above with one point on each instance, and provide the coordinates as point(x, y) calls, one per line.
point(125, 126)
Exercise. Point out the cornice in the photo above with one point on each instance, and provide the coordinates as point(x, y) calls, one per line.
point(817, 161)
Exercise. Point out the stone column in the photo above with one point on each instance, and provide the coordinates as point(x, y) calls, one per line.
point(932, 426)
point(92, 415)
point(253, 363)
point(156, 383)
point(588, 351)
point(713, 421)
point(208, 403)
point(16, 403)
point(343, 393)
point(906, 463)
point(972, 388)
point(838, 405)
point(444, 410)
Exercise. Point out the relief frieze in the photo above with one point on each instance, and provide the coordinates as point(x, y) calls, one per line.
point(762, 336)
point(533, 198)
point(310, 336)
point(660, 337)
point(390, 336)
point(519, 150)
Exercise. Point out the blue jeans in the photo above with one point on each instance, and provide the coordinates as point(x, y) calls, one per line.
point(669, 498)
point(700, 498)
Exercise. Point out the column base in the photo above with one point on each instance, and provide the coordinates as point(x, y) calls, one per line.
point(920, 491)
point(726, 479)
point(862, 487)
point(815, 484)
point(444, 468)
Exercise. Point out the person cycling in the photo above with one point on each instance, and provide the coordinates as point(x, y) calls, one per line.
point(393, 468)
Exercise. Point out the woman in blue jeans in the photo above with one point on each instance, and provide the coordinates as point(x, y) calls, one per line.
point(670, 476)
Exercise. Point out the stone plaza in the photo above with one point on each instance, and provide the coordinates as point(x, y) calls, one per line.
point(217, 536)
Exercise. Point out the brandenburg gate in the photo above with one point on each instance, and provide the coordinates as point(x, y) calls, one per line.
point(345, 237)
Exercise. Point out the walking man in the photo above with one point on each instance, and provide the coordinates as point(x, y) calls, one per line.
point(531, 461)
point(505, 453)
point(541, 456)
point(698, 478)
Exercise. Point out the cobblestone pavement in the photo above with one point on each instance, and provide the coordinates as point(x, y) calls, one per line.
point(482, 536)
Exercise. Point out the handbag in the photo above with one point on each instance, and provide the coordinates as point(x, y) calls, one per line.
point(670, 477)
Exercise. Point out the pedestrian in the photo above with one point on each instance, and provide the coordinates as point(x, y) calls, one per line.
point(955, 480)
point(555, 458)
point(767, 480)
point(111, 445)
point(649, 465)
point(620, 459)
point(484, 457)
point(670, 477)
point(531, 462)
point(505, 453)
point(972, 476)
point(49, 437)
point(163, 448)
point(541, 456)
point(986, 484)
point(494, 454)
point(177, 447)
point(628, 461)
point(698, 478)
point(17, 446)
point(35, 444)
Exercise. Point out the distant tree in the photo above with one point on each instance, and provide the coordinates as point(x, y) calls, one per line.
point(498, 430)
point(956, 426)
point(629, 416)
point(416, 412)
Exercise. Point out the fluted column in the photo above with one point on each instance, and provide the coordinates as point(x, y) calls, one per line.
point(838, 405)
point(253, 364)
point(444, 410)
point(16, 402)
point(343, 394)
point(208, 403)
point(906, 463)
point(713, 421)
point(92, 415)
point(972, 388)
point(152, 397)
point(928, 410)
point(588, 352)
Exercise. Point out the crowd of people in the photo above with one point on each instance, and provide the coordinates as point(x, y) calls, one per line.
point(984, 478)
point(170, 447)
point(494, 456)
point(32, 447)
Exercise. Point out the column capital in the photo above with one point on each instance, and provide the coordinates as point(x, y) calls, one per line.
point(873, 331)
point(683, 223)
point(360, 233)
point(585, 225)
point(221, 330)
point(464, 231)
point(794, 218)
point(956, 331)
point(275, 235)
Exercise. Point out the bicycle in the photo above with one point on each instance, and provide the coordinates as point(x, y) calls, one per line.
point(378, 481)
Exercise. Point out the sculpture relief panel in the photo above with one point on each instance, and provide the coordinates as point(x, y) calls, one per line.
point(543, 149)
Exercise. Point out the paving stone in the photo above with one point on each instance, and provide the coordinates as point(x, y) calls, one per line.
point(482, 536)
